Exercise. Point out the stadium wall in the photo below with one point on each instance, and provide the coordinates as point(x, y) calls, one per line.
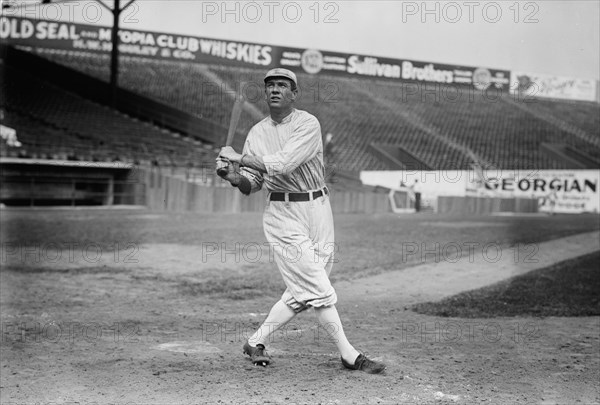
point(485, 205)
point(556, 191)
point(173, 194)
point(37, 182)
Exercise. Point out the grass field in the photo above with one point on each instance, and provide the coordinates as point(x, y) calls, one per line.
point(154, 285)
point(568, 288)
point(366, 245)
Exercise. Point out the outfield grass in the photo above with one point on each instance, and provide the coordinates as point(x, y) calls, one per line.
point(106, 226)
point(367, 244)
point(568, 288)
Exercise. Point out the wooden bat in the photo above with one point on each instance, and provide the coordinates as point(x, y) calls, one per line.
point(236, 112)
point(233, 121)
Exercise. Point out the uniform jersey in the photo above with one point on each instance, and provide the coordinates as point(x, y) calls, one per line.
point(292, 152)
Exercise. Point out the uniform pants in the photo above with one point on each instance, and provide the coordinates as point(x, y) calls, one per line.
point(301, 237)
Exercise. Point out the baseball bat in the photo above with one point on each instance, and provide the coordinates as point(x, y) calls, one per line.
point(236, 112)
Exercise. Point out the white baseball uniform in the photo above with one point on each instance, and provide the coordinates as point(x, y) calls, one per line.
point(300, 233)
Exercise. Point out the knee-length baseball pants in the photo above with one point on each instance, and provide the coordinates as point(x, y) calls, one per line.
point(301, 236)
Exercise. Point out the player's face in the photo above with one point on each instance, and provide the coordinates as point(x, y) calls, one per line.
point(279, 93)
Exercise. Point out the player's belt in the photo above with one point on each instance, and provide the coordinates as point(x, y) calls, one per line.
point(295, 197)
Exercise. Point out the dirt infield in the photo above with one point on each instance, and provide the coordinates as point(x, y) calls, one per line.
point(115, 307)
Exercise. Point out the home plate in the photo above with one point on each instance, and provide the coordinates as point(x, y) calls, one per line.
point(194, 346)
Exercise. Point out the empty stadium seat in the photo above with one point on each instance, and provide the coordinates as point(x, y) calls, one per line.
point(446, 128)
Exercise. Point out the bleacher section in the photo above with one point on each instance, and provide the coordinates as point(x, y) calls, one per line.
point(584, 116)
point(188, 87)
point(443, 128)
point(500, 130)
point(342, 107)
point(53, 123)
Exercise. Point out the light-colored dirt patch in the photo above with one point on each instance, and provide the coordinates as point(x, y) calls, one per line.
point(188, 347)
point(434, 281)
point(149, 259)
point(464, 224)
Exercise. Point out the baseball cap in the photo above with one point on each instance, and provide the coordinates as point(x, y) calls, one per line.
point(281, 72)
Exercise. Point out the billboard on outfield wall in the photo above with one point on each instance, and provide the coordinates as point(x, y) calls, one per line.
point(165, 46)
point(558, 191)
point(548, 86)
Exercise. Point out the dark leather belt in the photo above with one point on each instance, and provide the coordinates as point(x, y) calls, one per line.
point(295, 197)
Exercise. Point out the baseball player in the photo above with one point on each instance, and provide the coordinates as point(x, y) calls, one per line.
point(284, 153)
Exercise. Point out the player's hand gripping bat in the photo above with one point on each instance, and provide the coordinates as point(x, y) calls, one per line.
point(222, 165)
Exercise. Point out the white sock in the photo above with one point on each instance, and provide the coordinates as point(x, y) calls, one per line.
point(329, 319)
point(279, 316)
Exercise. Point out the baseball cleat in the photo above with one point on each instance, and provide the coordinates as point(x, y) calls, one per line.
point(257, 354)
point(363, 363)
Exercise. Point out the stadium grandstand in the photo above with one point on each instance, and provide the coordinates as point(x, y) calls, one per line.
point(440, 128)
point(171, 115)
point(56, 124)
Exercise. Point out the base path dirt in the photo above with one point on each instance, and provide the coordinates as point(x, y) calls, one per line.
point(464, 269)
point(150, 331)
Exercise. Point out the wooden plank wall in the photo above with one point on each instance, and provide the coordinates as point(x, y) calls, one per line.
point(173, 194)
point(485, 205)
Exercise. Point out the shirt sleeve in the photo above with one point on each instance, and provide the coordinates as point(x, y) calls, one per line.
point(304, 144)
point(255, 177)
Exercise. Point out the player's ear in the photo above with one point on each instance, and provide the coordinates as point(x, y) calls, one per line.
point(294, 94)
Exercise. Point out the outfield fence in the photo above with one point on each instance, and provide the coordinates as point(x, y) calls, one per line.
point(174, 194)
point(485, 205)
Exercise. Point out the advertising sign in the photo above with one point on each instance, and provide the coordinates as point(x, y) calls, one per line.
point(557, 191)
point(362, 66)
point(93, 38)
point(547, 86)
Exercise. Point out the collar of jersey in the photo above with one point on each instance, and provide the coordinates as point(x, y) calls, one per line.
point(285, 120)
